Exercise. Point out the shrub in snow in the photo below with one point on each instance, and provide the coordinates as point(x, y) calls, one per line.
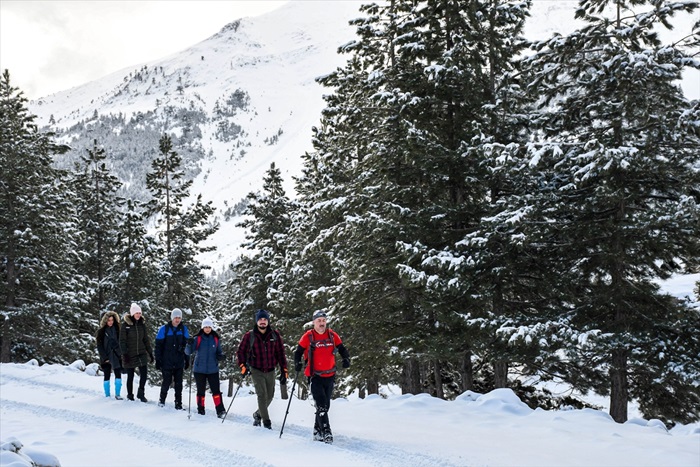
point(32, 362)
point(77, 365)
point(93, 369)
point(14, 454)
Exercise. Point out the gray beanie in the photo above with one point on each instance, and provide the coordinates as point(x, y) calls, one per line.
point(176, 313)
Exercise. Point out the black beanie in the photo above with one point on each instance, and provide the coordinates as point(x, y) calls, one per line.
point(262, 314)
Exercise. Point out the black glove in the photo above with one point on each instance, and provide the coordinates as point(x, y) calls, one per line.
point(346, 363)
point(187, 362)
point(297, 366)
point(104, 364)
point(157, 364)
point(220, 357)
point(150, 356)
point(283, 376)
point(190, 340)
point(126, 359)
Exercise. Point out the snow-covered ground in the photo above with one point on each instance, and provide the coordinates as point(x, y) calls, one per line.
point(60, 411)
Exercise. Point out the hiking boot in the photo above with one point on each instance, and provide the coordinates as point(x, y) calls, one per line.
point(257, 419)
point(267, 424)
point(141, 396)
point(327, 435)
point(130, 397)
point(221, 414)
point(178, 406)
point(200, 410)
point(143, 399)
point(161, 404)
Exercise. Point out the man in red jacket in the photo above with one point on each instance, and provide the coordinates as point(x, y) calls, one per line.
point(318, 346)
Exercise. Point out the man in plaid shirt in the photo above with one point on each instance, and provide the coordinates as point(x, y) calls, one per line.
point(259, 352)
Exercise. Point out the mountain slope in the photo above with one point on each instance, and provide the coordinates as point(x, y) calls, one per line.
point(236, 102)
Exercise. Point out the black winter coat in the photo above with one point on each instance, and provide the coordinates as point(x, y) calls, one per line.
point(108, 341)
point(134, 342)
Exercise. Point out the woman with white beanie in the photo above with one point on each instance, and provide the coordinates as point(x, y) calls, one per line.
point(136, 351)
point(207, 353)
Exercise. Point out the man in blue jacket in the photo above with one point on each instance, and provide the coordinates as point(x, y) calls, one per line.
point(170, 356)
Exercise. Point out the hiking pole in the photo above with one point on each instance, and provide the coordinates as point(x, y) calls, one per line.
point(189, 402)
point(234, 396)
point(296, 376)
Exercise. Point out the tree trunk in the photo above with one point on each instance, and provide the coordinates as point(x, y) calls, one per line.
point(372, 385)
point(618, 386)
point(439, 390)
point(467, 372)
point(411, 377)
point(500, 374)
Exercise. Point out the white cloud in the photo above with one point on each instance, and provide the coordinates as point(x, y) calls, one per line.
point(50, 46)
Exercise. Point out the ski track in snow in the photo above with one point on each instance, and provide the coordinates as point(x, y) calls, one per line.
point(365, 451)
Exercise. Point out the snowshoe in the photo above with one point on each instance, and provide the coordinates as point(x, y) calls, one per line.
point(178, 406)
point(318, 436)
point(221, 414)
point(161, 404)
point(257, 419)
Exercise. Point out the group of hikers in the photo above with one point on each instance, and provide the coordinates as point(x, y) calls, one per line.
point(124, 346)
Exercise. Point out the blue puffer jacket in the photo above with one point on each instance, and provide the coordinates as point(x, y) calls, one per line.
point(207, 352)
point(170, 346)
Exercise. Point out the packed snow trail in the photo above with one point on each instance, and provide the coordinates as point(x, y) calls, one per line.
point(133, 427)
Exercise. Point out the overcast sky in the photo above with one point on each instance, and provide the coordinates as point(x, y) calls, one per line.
point(51, 46)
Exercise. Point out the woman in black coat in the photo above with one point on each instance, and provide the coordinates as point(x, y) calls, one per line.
point(110, 354)
point(136, 351)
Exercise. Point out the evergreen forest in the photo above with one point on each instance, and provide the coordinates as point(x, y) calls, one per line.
point(479, 211)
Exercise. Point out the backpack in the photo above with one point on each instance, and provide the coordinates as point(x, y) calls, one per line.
point(312, 346)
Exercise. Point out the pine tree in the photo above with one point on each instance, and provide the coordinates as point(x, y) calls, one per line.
point(181, 230)
point(100, 212)
point(137, 271)
point(267, 222)
point(39, 243)
point(618, 165)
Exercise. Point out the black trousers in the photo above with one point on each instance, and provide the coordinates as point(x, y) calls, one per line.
point(170, 376)
point(107, 368)
point(143, 376)
point(322, 390)
point(202, 378)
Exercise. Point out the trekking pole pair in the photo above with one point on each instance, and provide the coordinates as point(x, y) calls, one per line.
point(296, 377)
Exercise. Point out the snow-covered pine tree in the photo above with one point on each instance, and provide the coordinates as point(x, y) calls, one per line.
point(181, 230)
point(619, 168)
point(41, 288)
point(267, 221)
point(137, 271)
point(100, 212)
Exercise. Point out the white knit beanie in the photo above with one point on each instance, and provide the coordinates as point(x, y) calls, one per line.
point(207, 322)
point(134, 309)
point(176, 313)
